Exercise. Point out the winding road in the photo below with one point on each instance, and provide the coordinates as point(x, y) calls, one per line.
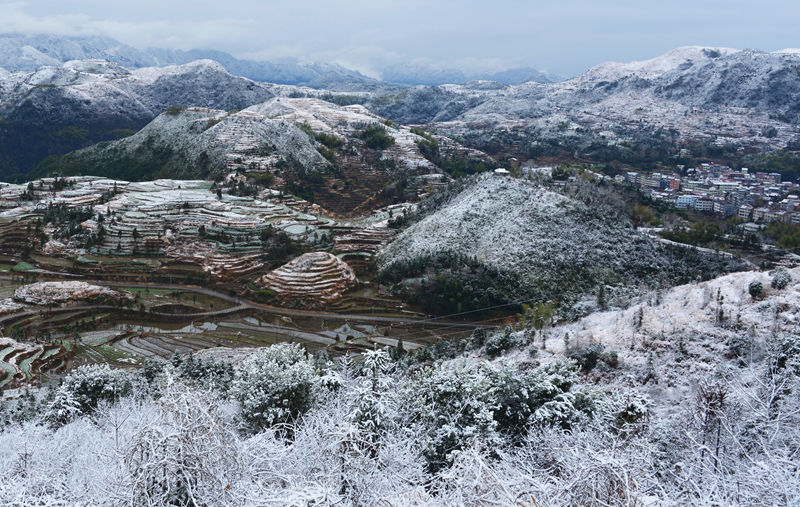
point(240, 305)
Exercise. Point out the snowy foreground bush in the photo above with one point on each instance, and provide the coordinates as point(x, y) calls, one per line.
point(284, 428)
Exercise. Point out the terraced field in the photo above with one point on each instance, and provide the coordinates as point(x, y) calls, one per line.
point(192, 257)
point(313, 276)
point(159, 341)
point(23, 362)
point(169, 230)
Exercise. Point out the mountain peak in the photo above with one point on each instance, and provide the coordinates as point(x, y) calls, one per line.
point(659, 65)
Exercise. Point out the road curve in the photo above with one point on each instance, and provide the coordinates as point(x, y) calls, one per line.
point(292, 312)
point(240, 304)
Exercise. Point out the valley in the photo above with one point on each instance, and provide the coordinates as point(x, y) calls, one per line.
point(189, 262)
point(228, 281)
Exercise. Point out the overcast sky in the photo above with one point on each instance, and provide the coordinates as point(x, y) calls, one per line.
point(561, 36)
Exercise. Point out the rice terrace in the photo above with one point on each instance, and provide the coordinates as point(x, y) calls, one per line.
point(145, 290)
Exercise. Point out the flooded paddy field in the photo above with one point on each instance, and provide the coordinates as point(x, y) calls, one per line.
point(129, 337)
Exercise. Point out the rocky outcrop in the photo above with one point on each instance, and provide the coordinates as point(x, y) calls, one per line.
point(316, 276)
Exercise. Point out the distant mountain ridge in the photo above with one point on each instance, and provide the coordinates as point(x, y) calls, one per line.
point(714, 98)
point(702, 94)
point(31, 52)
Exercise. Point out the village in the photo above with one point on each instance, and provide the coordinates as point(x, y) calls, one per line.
point(758, 198)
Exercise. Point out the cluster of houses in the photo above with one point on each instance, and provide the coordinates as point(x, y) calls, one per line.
point(756, 197)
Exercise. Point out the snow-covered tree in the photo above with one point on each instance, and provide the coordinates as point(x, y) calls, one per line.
point(84, 388)
point(371, 411)
point(274, 386)
point(780, 279)
point(756, 289)
point(185, 456)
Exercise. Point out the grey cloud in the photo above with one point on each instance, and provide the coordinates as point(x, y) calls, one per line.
point(562, 37)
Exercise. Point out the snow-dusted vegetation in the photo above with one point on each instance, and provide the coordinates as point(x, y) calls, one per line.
point(495, 240)
point(681, 417)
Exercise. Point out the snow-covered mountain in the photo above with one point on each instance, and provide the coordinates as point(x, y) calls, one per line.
point(57, 109)
point(81, 90)
point(31, 52)
point(719, 95)
point(434, 75)
point(710, 96)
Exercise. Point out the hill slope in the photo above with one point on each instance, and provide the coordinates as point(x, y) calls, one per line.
point(497, 240)
point(58, 109)
point(342, 157)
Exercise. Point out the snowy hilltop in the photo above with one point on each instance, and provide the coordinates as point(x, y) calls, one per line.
point(191, 142)
point(537, 243)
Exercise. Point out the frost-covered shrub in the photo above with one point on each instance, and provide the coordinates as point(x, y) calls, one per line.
point(625, 409)
point(786, 353)
point(781, 279)
point(478, 338)
point(555, 404)
point(565, 410)
point(444, 348)
point(187, 456)
point(449, 348)
point(592, 355)
point(216, 374)
point(518, 395)
point(740, 346)
point(505, 340)
point(756, 289)
point(450, 408)
point(457, 406)
point(84, 388)
point(274, 385)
